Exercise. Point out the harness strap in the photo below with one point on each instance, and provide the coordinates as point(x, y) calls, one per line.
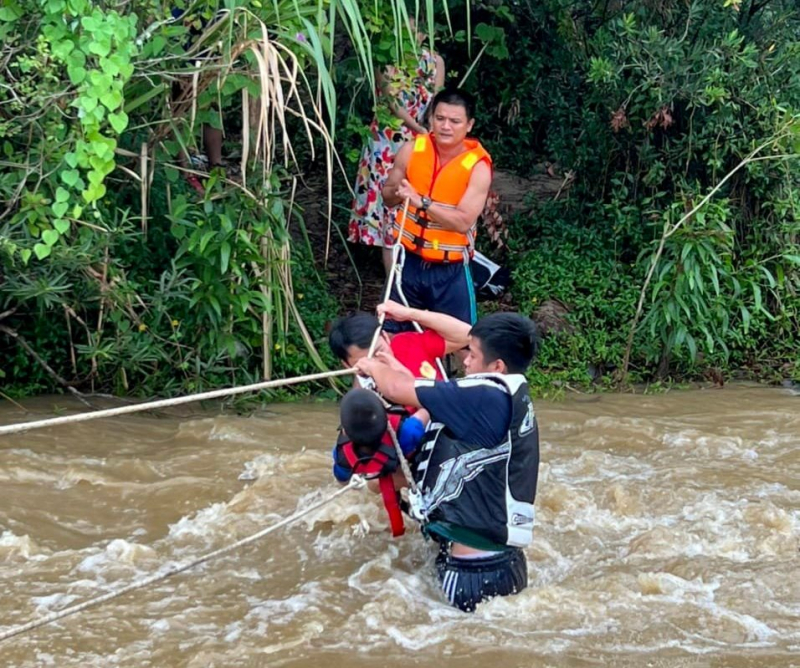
point(376, 466)
point(392, 506)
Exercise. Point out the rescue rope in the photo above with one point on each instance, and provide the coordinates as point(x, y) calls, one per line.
point(395, 277)
point(417, 326)
point(412, 484)
point(396, 268)
point(356, 482)
point(390, 279)
point(175, 401)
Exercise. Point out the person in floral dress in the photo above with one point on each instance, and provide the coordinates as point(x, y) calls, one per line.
point(408, 92)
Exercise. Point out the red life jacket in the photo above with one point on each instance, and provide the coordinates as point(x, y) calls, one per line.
point(382, 464)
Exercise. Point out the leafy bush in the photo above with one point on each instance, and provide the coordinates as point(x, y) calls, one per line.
point(116, 276)
point(655, 106)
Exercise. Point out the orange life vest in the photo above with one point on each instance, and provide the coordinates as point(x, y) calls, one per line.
point(445, 185)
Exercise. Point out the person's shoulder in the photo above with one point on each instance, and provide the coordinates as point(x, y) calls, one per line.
point(486, 388)
point(404, 340)
point(487, 381)
point(482, 173)
point(483, 167)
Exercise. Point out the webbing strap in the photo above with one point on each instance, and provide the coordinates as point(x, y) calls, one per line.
point(389, 495)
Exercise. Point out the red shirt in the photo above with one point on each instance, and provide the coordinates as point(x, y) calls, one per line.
point(417, 351)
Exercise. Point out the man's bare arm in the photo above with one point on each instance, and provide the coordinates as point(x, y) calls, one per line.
point(396, 176)
point(454, 331)
point(462, 217)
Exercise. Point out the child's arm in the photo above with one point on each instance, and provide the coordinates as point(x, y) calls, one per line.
point(413, 430)
point(341, 469)
point(423, 416)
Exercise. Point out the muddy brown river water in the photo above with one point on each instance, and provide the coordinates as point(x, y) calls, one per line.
point(668, 530)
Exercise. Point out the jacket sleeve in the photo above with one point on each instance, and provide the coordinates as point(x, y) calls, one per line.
point(341, 468)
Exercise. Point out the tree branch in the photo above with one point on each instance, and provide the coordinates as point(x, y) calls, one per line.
point(40, 360)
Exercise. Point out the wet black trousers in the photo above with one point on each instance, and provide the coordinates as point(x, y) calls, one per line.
point(467, 582)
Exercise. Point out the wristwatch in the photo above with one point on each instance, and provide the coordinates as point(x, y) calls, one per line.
point(426, 202)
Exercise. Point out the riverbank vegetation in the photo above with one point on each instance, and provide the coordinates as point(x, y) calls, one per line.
point(669, 250)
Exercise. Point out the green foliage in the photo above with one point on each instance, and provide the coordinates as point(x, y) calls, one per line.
point(122, 278)
point(651, 106)
point(576, 268)
point(111, 267)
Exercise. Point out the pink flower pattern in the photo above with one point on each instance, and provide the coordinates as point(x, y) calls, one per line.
point(371, 221)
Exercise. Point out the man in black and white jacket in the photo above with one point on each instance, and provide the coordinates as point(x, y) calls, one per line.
point(478, 468)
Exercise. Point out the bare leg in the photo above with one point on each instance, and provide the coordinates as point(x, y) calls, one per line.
point(212, 142)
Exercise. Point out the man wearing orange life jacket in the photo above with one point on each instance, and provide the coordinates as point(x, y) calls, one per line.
point(446, 177)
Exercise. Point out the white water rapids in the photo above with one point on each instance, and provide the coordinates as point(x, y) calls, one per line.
point(668, 529)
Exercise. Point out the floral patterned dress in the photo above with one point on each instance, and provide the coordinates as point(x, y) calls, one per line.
point(371, 221)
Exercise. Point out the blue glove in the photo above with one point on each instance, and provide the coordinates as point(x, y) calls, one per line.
point(340, 472)
point(411, 435)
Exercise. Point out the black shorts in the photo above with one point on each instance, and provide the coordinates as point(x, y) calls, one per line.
point(440, 287)
point(467, 582)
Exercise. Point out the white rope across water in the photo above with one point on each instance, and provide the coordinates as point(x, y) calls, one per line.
point(165, 403)
point(356, 482)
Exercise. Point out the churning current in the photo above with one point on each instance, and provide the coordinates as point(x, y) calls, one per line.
point(668, 529)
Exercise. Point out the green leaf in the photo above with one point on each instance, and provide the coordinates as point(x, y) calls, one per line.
point(157, 45)
point(62, 49)
point(88, 102)
point(757, 296)
point(61, 195)
point(42, 251)
point(101, 47)
point(61, 225)
point(745, 318)
point(119, 121)
point(50, 237)
point(77, 7)
point(76, 74)
point(109, 66)
point(70, 176)
point(144, 98)
point(10, 12)
point(208, 236)
point(770, 278)
point(91, 23)
point(715, 279)
point(102, 150)
point(178, 231)
point(215, 304)
point(60, 208)
point(225, 256)
point(111, 100)
point(25, 254)
point(77, 58)
point(94, 192)
point(172, 174)
point(692, 346)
